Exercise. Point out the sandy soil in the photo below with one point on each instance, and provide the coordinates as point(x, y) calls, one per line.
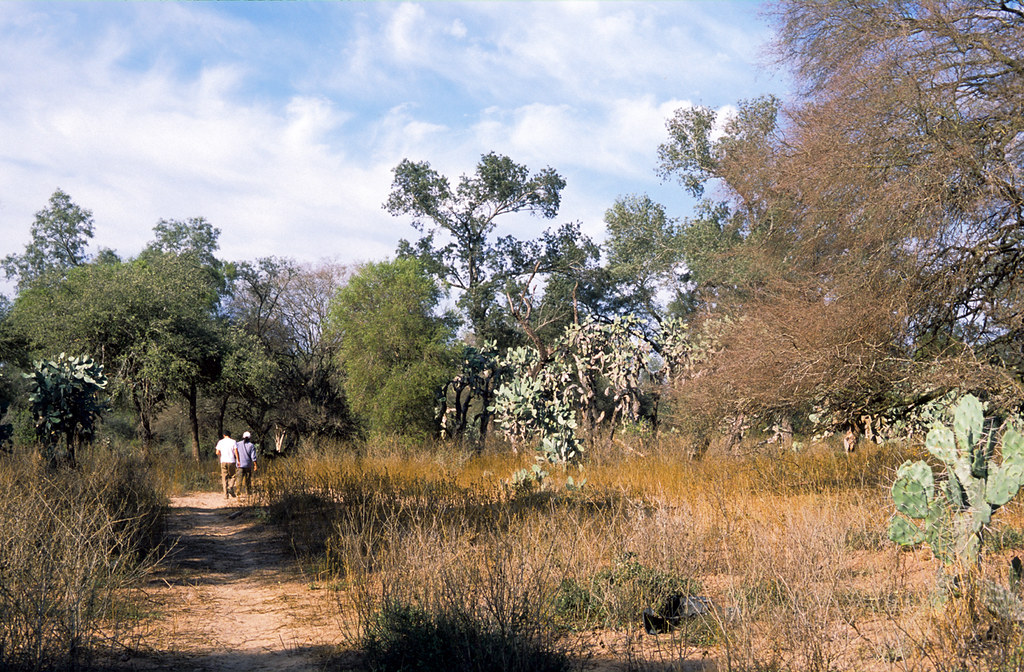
point(230, 597)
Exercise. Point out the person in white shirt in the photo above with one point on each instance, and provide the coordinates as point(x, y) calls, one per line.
point(226, 450)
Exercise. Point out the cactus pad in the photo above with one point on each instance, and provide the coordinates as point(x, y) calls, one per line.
point(904, 532)
point(913, 489)
point(968, 422)
point(941, 444)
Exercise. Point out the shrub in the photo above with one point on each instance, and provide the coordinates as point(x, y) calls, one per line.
point(616, 595)
point(413, 639)
point(73, 545)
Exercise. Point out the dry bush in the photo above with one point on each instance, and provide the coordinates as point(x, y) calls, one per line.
point(455, 570)
point(790, 549)
point(962, 634)
point(73, 546)
point(497, 579)
point(786, 568)
point(176, 473)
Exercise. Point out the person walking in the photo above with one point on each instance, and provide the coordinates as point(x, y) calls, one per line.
point(245, 459)
point(225, 449)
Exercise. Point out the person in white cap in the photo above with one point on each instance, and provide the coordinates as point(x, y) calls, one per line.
point(245, 459)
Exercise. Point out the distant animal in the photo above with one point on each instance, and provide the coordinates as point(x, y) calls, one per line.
point(673, 610)
point(850, 440)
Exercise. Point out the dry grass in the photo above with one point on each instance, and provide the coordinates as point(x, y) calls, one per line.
point(791, 549)
point(176, 473)
point(73, 546)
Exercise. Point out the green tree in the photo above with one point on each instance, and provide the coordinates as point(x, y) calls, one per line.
point(150, 321)
point(194, 238)
point(196, 352)
point(394, 350)
point(13, 355)
point(459, 225)
point(253, 380)
point(249, 380)
point(60, 234)
point(644, 255)
point(13, 347)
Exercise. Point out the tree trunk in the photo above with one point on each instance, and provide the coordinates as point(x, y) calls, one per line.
point(221, 413)
point(736, 432)
point(486, 399)
point(144, 420)
point(193, 419)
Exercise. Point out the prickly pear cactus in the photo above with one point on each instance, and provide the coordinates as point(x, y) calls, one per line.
point(63, 396)
point(950, 513)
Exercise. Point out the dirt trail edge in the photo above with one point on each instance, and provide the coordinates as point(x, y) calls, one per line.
point(230, 597)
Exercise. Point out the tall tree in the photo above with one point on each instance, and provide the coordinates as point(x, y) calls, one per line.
point(394, 349)
point(60, 234)
point(866, 244)
point(458, 227)
point(195, 239)
point(194, 236)
point(644, 255)
point(193, 242)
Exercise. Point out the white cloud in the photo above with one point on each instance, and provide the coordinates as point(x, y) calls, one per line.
point(619, 137)
point(310, 122)
point(286, 140)
point(270, 179)
point(590, 51)
point(406, 31)
point(457, 29)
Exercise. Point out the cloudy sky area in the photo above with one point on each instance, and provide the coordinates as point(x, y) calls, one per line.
point(280, 122)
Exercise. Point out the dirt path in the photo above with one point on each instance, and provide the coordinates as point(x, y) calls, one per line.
point(229, 596)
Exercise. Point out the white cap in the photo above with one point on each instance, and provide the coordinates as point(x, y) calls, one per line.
point(246, 435)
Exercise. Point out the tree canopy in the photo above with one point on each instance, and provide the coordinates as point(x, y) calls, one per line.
point(60, 234)
point(395, 351)
point(866, 237)
point(459, 245)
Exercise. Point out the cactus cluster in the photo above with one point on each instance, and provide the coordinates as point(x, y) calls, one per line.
point(955, 508)
point(63, 397)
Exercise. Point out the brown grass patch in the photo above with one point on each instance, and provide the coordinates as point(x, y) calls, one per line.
point(790, 549)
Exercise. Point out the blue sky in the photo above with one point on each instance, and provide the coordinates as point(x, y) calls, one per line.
point(280, 122)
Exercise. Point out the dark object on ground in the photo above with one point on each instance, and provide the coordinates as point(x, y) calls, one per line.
point(674, 609)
